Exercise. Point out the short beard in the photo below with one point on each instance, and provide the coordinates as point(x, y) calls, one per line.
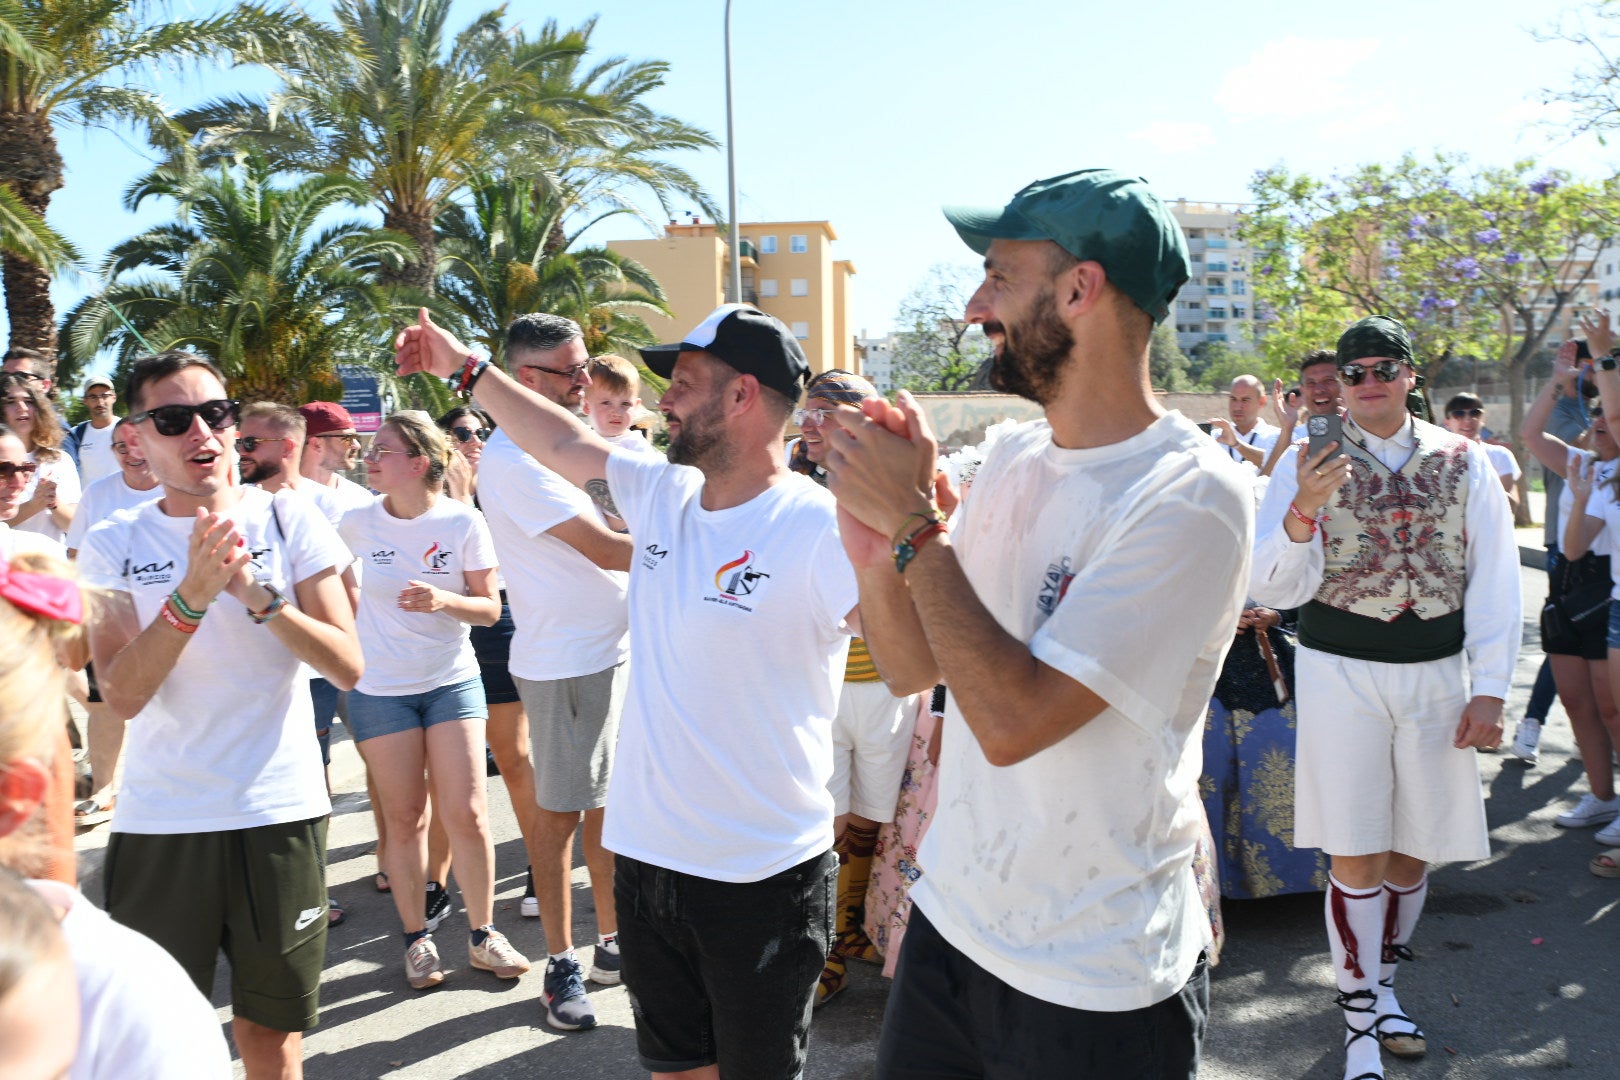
point(700, 442)
point(1032, 366)
point(257, 472)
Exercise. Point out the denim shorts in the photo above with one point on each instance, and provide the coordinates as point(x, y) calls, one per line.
point(371, 715)
point(724, 972)
point(1614, 626)
point(947, 1016)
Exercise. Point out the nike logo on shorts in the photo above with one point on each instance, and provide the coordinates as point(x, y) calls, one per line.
point(307, 916)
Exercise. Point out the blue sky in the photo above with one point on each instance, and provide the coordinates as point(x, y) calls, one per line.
point(872, 115)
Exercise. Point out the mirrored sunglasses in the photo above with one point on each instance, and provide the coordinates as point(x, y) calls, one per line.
point(1385, 371)
point(464, 434)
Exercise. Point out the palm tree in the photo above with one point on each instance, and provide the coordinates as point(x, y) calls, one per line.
point(497, 262)
point(73, 61)
point(416, 120)
point(246, 277)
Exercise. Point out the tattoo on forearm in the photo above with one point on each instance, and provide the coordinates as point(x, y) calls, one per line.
point(598, 491)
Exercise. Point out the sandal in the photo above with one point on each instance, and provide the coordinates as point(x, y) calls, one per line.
point(1606, 864)
point(334, 912)
point(92, 811)
point(380, 882)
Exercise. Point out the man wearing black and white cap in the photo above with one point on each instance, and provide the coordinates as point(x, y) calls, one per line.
point(1398, 550)
point(740, 609)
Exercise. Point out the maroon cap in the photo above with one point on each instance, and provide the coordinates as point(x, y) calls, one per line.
point(321, 417)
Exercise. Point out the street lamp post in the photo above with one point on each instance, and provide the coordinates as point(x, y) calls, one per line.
point(734, 285)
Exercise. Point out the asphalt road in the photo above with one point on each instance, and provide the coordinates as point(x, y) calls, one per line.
point(1517, 971)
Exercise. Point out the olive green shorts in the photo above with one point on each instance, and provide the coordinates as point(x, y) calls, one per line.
point(258, 895)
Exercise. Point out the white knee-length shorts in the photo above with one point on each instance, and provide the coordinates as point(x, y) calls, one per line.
point(1375, 769)
point(871, 738)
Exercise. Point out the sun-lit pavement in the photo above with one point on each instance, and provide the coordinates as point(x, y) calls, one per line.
point(1516, 976)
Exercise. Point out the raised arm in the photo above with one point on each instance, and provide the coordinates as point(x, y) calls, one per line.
point(1548, 449)
point(547, 432)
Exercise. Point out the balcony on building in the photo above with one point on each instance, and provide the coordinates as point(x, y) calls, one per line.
point(1216, 243)
point(1215, 268)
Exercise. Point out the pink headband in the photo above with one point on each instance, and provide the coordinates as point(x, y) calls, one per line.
point(42, 594)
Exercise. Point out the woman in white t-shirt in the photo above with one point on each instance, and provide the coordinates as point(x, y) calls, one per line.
point(53, 493)
point(428, 572)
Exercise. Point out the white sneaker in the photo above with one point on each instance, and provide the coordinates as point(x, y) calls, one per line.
point(530, 908)
point(1527, 741)
point(1609, 835)
point(1590, 811)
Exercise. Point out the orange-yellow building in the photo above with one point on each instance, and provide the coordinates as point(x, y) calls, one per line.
point(788, 270)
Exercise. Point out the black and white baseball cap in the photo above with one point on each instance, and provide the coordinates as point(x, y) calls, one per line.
point(745, 338)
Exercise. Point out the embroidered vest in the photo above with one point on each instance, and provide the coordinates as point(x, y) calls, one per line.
point(1394, 575)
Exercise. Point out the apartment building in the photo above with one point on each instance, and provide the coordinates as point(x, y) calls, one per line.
point(875, 355)
point(788, 270)
point(1215, 304)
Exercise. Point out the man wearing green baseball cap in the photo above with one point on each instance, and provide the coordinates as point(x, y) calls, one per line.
point(1056, 925)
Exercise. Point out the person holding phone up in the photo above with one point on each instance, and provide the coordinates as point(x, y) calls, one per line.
point(1396, 545)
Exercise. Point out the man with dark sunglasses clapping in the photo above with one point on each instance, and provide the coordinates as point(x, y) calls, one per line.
point(1397, 546)
point(214, 597)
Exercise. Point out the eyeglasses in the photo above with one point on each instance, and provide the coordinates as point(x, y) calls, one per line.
point(172, 420)
point(464, 434)
point(376, 453)
point(9, 471)
point(346, 436)
point(1385, 371)
point(249, 443)
point(1467, 414)
point(813, 417)
point(567, 373)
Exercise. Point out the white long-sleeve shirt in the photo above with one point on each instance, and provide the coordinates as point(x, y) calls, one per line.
point(1285, 574)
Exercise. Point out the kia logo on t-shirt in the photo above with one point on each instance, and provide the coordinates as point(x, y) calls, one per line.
point(383, 558)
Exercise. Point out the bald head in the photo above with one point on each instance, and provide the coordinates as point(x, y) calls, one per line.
point(1244, 402)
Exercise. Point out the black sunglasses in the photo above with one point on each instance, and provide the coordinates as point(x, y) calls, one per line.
point(249, 443)
point(1464, 414)
point(9, 471)
point(464, 434)
point(172, 420)
point(1385, 371)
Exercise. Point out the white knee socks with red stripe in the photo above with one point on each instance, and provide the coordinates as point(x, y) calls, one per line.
point(1404, 906)
point(1355, 925)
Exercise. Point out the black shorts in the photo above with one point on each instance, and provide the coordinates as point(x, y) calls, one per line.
point(947, 1016)
point(1560, 635)
point(94, 695)
point(722, 972)
point(259, 894)
point(493, 647)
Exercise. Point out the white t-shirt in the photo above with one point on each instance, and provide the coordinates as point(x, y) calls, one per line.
point(59, 468)
point(14, 542)
point(225, 742)
point(101, 500)
point(630, 439)
point(140, 1016)
point(412, 652)
point(1262, 437)
point(1068, 876)
point(96, 457)
point(725, 747)
point(348, 495)
point(569, 613)
point(1502, 460)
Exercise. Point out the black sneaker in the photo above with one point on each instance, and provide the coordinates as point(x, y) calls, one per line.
point(605, 963)
point(438, 905)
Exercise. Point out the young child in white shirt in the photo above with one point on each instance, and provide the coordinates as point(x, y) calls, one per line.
point(613, 399)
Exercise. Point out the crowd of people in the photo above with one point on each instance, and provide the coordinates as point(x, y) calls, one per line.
point(803, 702)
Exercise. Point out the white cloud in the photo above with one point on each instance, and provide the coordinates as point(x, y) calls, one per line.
point(1298, 77)
point(1175, 136)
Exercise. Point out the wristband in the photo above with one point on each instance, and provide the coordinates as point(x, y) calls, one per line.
point(1299, 516)
point(273, 608)
point(185, 610)
point(470, 371)
point(929, 517)
point(173, 618)
point(907, 549)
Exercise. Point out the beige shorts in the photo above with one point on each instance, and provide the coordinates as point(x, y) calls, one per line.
point(871, 737)
point(1375, 768)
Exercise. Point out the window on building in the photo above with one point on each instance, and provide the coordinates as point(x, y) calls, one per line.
point(1193, 305)
point(1197, 258)
point(1239, 312)
point(801, 330)
point(798, 245)
point(1240, 287)
point(767, 286)
point(767, 245)
point(1237, 266)
point(799, 286)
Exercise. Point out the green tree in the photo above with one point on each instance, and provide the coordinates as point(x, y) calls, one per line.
point(1167, 364)
point(938, 349)
point(497, 261)
point(79, 62)
point(251, 274)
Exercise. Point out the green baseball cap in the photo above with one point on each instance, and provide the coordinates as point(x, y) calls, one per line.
point(1096, 215)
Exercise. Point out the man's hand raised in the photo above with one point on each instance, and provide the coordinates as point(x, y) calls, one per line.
point(428, 347)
